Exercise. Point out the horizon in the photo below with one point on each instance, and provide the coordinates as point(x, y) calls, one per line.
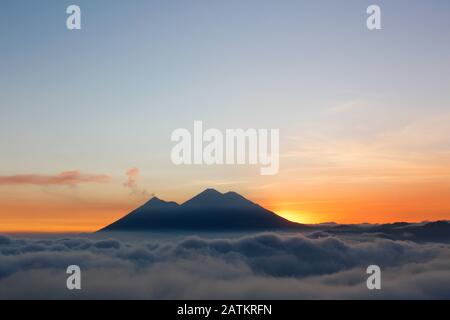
point(62, 232)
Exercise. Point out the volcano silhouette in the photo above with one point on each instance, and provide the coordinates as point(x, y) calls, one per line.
point(207, 211)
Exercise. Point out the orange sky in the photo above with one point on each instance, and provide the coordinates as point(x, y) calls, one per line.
point(34, 209)
point(400, 176)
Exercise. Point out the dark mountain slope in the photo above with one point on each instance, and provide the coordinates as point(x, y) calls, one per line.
point(207, 211)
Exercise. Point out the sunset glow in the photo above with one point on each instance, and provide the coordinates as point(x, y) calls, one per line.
point(87, 115)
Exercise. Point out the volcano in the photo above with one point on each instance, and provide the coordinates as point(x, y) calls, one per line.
point(210, 210)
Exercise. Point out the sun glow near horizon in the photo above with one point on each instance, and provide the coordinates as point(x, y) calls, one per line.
point(297, 216)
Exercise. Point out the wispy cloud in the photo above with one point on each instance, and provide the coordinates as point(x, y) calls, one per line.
point(417, 151)
point(348, 106)
point(131, 182)
point(68, 178)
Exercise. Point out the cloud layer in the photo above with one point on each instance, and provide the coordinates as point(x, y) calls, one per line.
point(268, 265)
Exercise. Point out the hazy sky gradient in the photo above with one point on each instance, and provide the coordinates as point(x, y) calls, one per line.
point(363, 115)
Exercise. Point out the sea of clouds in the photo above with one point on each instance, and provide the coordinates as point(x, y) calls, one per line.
point(258, 266)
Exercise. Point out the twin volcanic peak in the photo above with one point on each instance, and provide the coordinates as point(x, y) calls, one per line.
point(214, 199)
point(210, 210)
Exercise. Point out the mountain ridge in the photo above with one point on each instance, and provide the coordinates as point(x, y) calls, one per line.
point(210, 210)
